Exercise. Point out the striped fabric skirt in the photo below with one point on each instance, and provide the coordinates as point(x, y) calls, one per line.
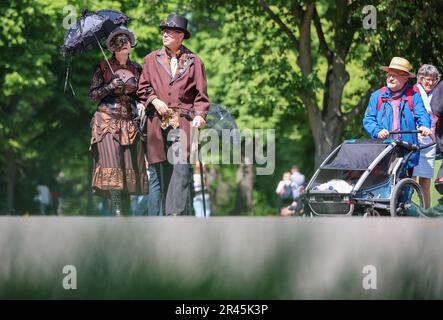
point(118, 157)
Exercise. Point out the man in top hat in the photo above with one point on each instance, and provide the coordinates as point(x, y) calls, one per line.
point(173, 89)
point(397, 107)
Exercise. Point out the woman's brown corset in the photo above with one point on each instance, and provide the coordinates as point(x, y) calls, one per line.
point(129, 79)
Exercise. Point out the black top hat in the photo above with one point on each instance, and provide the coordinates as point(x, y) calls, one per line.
point(176, 22)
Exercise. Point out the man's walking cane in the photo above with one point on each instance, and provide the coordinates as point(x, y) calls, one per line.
point(201, 172)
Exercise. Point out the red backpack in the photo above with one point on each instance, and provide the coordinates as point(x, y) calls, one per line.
point(409, 93)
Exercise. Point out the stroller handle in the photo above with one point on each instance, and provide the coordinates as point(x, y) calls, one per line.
point(418, 147)
point(404, 131)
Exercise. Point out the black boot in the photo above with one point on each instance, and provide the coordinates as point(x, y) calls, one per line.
point(116, 202)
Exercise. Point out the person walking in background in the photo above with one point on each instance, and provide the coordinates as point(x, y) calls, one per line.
point(427, 79)
point(298, 180)
point(43, 199)
point(285, 190)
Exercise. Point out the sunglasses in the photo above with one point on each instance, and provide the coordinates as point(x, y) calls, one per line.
point(170, 32)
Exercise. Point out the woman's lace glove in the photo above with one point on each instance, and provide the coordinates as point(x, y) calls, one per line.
point(116, 83)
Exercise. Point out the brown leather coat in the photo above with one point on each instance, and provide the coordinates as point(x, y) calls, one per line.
point(185, 92)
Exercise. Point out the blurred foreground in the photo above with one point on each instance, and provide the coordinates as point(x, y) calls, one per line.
point(220, 258)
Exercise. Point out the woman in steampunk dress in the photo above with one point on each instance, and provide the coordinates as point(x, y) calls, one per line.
point(116, 143)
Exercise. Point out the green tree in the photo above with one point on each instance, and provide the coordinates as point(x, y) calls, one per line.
point(43, 128)
point(304, 68)
point(293, 64)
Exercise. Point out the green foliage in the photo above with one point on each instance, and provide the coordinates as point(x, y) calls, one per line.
point(251, 67)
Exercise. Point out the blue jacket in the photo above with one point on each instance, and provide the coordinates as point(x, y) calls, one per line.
point(376, 120)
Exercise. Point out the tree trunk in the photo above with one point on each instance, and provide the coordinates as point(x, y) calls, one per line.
point(326, 139)
point(326, 122)
point(327, 135)
point(245, 181)
point(222, 192)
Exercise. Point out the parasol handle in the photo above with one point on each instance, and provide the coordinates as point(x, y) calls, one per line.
point(109, 65)
point(67, 78)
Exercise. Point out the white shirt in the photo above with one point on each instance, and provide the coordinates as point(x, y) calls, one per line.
point(174, 65)
point(427, 103)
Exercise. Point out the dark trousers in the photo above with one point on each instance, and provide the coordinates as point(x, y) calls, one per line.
point(175, 178)
point(170, 189)
point(175, 188)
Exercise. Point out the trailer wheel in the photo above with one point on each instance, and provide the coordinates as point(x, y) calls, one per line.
point(406, 199)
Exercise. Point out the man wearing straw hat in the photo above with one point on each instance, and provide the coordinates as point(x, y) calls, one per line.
point(397, 107)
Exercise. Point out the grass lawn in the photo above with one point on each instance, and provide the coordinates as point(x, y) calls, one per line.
point(434, 194)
